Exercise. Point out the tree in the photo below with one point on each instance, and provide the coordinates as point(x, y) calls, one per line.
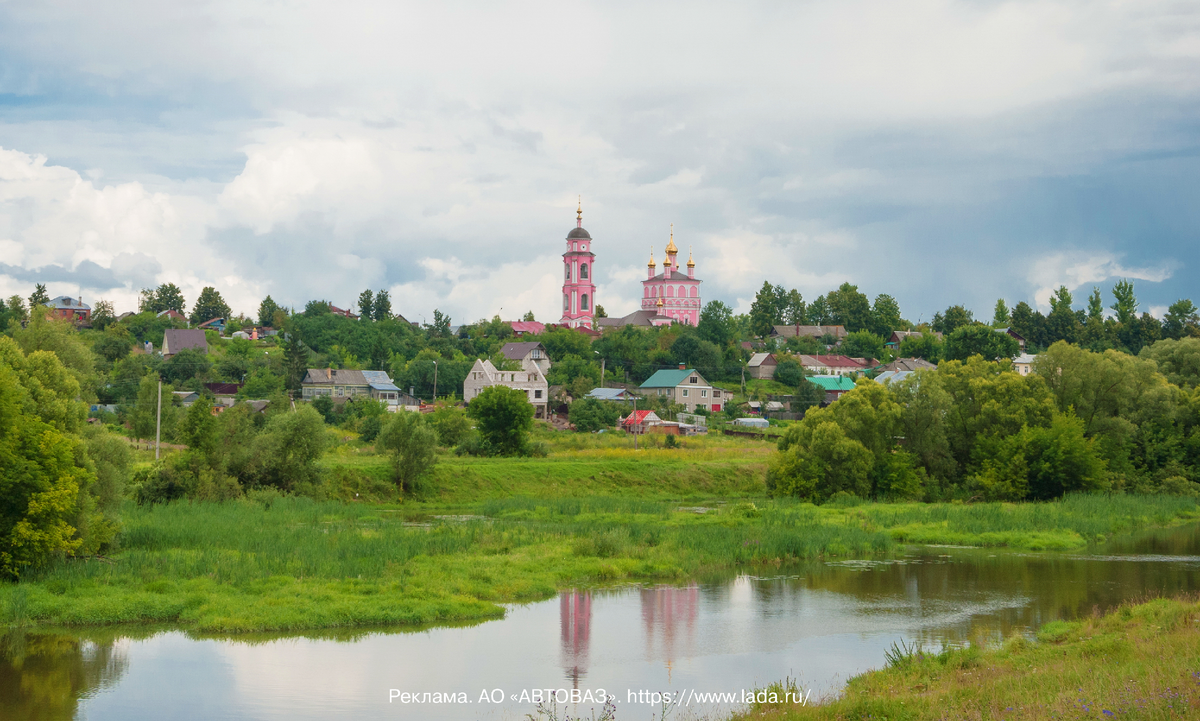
point(198, 428)
point(926, 346)
point(789, 372)
point(166, 297)
point(1125, 303)
point(1178, 360)
point(103, 315)
point(266, 312)
point(286, 451)
point(451, 425)
point(983, 340)
point(862, 344)
point(1062, 323)
point(295, 361)
point(39, 484)
point(850, 308)
point(819, 312)
point(186, 364)
point(441, 325)
point(382, 310)
point(145, 409)
point(823, 463)
point(1095, 309)
point(794, 310)
point(716, 323)
point(954, 318)
point(807, 395)
point(1028, 323)
point(600, 313)
point(528, 317)
point(1181, 319)
point(16, 309)
point(590, 414)
point(504, 418)
point(766, 310)
point(885, 315)
point(209, 305)
point(111, 347)
point(39, 296)
point(261, 384)
point(1001, 317)
point(366, 305)
point(412, 447)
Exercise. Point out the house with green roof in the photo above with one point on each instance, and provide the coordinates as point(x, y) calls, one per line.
point(685, 387)
point(834, 386)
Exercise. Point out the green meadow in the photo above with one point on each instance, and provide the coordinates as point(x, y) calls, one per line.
point(487, 532)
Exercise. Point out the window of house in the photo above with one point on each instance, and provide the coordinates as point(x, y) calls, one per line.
point(341, 390)
point(535, 353)
point(693, 379)
point(583, 302)
point(704, 394)
point(716, 393)
point(583, 273)
point(685, 390)
point(537, 393)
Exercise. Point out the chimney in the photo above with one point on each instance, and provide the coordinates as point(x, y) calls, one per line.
point(329, 374)
point(683, 366)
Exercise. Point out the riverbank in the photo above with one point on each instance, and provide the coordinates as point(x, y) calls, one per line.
point(287, 564)
point(1139, 661)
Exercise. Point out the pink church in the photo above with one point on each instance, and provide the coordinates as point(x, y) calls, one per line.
point(579, 288)
point(674, 297)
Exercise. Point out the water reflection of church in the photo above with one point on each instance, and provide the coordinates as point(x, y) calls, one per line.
point(668, 619)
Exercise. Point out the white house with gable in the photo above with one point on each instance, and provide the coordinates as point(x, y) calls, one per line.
point(529, 379)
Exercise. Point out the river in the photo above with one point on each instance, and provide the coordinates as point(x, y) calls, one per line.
point(817, 623)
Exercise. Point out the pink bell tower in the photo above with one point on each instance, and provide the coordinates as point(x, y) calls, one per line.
point(579, 275)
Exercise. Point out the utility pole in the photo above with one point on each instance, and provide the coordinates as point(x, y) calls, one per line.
point(635, 425)
point(158, 420)
point(435, 382)
point(601, 368)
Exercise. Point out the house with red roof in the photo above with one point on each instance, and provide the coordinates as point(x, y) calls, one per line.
point(835, 365)
point(527, 327)
point(639, 422)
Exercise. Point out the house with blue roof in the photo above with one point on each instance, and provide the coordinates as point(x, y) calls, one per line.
point(617, 395)
point(686, 387)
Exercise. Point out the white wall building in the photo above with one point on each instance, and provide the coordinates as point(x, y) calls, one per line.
point(529, 379)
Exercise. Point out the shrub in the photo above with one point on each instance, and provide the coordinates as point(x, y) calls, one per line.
point(504, 418)
point(412, 446)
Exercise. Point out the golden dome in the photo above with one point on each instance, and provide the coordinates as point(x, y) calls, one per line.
point(691, 263)
point(651, 264)
point(671, 249)
point(660, 301)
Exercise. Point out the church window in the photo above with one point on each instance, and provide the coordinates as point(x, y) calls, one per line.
point(566, 303)
point(583, 273)
point(568, 269)
point(583, 302)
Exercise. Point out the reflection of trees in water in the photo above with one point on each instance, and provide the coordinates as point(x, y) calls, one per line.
point(43, 676)
point(669, 615)
point(575, 626)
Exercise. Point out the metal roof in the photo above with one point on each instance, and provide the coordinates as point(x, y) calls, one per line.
point(670, 378)
point(832, 383)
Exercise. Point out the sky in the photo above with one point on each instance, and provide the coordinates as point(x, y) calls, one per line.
point(941, 152)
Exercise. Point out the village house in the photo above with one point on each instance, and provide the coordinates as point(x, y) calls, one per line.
point(909, 364)
point(1019, 338)
point(341, 384)
point(342, 312)
point(70, 308)
point(217, 324)
point(834, 386)
point(617, 395)
point(898, 337)
point(171, 314)
point(529, 379)
point(685, 387)
point(835, 365)
point(527, 327)
point(531, 352)
point(1023, 363)
point(178, 339)
point(639, 422)
point(809, 331)
point(762, 365)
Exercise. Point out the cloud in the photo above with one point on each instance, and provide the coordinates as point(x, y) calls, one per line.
point(1075, 270)
point(941, 151)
